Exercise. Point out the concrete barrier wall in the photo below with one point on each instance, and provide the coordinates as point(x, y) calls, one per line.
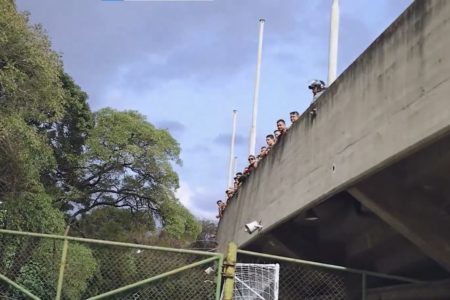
point(392, 100)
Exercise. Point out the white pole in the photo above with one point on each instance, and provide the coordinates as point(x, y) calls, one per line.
point(235, 164)
point(334, 37)
point(231, 165)
point(252, 142)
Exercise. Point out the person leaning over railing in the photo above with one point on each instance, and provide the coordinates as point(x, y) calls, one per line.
point(236, 182)
point(253, 163)
point(221, 208)
point(276, 134)
point(253, 160)
point(229, 192)
point(317, 87)
point(270, 141)
point(281, 127)
point(263, 152)
point(294, 116)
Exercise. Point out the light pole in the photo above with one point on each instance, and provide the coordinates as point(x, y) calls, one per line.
point(334, 38)
point(252, 142)
point(231, 162)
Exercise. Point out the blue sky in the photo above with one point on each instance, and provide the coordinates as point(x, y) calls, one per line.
point(187, 65)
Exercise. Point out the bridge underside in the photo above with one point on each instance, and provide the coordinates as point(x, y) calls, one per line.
point(396, 221)
point(372, 166)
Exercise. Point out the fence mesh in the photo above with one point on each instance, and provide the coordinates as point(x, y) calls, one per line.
point(30, 262)
point(191, 284)
point(256, 281)
point(304, 282)
point(92, 269)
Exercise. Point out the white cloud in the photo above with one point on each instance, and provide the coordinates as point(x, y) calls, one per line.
point(186, 195)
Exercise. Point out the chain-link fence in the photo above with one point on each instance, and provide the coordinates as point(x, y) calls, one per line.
point(306, 280)
point(39, 266)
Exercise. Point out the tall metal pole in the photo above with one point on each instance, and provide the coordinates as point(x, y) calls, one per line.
point(231, 164)
point(334, 38)
point(252, 142)
point(235, 164)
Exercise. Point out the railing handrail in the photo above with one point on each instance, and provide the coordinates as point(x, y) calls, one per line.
point(330, 266)
point(111, 243)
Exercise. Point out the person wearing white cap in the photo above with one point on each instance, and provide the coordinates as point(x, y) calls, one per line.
point(317, 87)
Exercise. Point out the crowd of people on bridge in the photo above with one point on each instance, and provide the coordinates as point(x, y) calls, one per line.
point(317, 87)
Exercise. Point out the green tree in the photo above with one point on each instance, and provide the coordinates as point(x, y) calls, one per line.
point(109, 174)
point(24, 155)
point(111, 223)
point(206, 239)
point(127, 163)
point(67, 137)
point(40, 273)
point(178, 221)
point(30, 85)
point(209, 230)
point(118, 266)
point(54, 149)
point(33, 96)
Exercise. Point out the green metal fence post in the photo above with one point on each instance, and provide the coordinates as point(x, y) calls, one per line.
point(63, 265)
point(230, 268)
point(219, 277)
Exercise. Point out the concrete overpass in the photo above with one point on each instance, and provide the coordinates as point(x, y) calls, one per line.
point(373, 164)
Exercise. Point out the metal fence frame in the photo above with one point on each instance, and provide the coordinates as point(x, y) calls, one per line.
point(225, 268)
point(209, 257)
point(364, 274)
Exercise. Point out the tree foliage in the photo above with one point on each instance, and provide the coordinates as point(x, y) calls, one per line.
point(178, 221)
point(67, 137)
point(109, 174)
point(110, 223)
point(31, 95)
point(126, 163)
point(56, 152)
point(40, 273)
point(29, 71)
